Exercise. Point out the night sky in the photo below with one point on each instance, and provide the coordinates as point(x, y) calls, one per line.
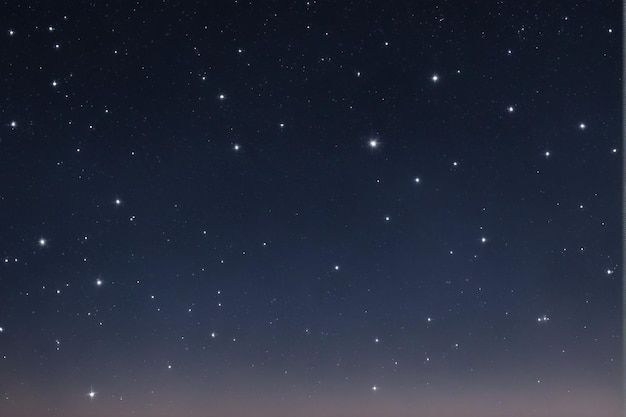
point(310, 209)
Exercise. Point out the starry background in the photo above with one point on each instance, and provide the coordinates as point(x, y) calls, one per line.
point(303, 208)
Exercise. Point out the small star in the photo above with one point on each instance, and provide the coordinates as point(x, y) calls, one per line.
point(387, 218)
point(11, 32)
point(222, 97)
point(610, 30)
point(99, 282)
point(510, 109)
point(509, 52)
point(435, 78)
point(543, 319)
point(281, 125)
point(118, 202)
point(50, 29)
point(376, 340)
point(374, 388)
point(236, 147)
point(13, 124)
point(429, 319)
point(336, 267)
point(373, 143)
point(417, 180)
point(91, 394)
point(483, 239)
point(547, 154)
point(169, 366)
point(54, 83)
point(455, 164)
point(1, 330)
point(213, 335)
point(42, 242)
point(614, 150)
point(582, 126)
point(609, 272)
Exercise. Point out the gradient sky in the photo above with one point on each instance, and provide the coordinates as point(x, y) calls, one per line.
point(310, 209)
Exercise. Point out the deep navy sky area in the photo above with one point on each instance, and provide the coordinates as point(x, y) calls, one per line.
point(310, 209)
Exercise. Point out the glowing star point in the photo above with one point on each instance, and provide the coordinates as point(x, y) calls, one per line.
point(417, 180)
point(510, 109)
point(435, 78)
point(236, 147)
point(582, 126)
point(373, 143)
point(42, 242)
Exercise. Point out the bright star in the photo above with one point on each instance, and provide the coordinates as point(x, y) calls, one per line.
point(373, 143)
point(42, 242)
point(435, 78)
point(582, 126)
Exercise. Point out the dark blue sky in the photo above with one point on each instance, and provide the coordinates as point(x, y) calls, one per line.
point(408, 209)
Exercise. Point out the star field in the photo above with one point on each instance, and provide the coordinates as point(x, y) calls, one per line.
point(309, 209)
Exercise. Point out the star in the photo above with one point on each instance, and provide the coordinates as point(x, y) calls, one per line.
point(91, 394)
point(11, 32)
point(547, 154)
point(99, 282)
point(222, 97)
point(336, 267)
point(510, 109)
point(435, 78)
point(582, 126)
point(417, 180)
point(374, 388)
point(1, 330)
point(373, 143)
point(483, 239)
point(387, 218)
point(42, 242)
point(118, 202)
point(54, 83)
point(13, 124)
point(236, 147)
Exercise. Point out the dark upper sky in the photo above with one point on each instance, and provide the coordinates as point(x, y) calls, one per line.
point(310, 209)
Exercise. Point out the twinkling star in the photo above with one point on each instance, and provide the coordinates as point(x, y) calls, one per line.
point(236, 147)
point(510, 109)
point(373, 143)
point(435, 78)
point(582, 126)
point(42, 242)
